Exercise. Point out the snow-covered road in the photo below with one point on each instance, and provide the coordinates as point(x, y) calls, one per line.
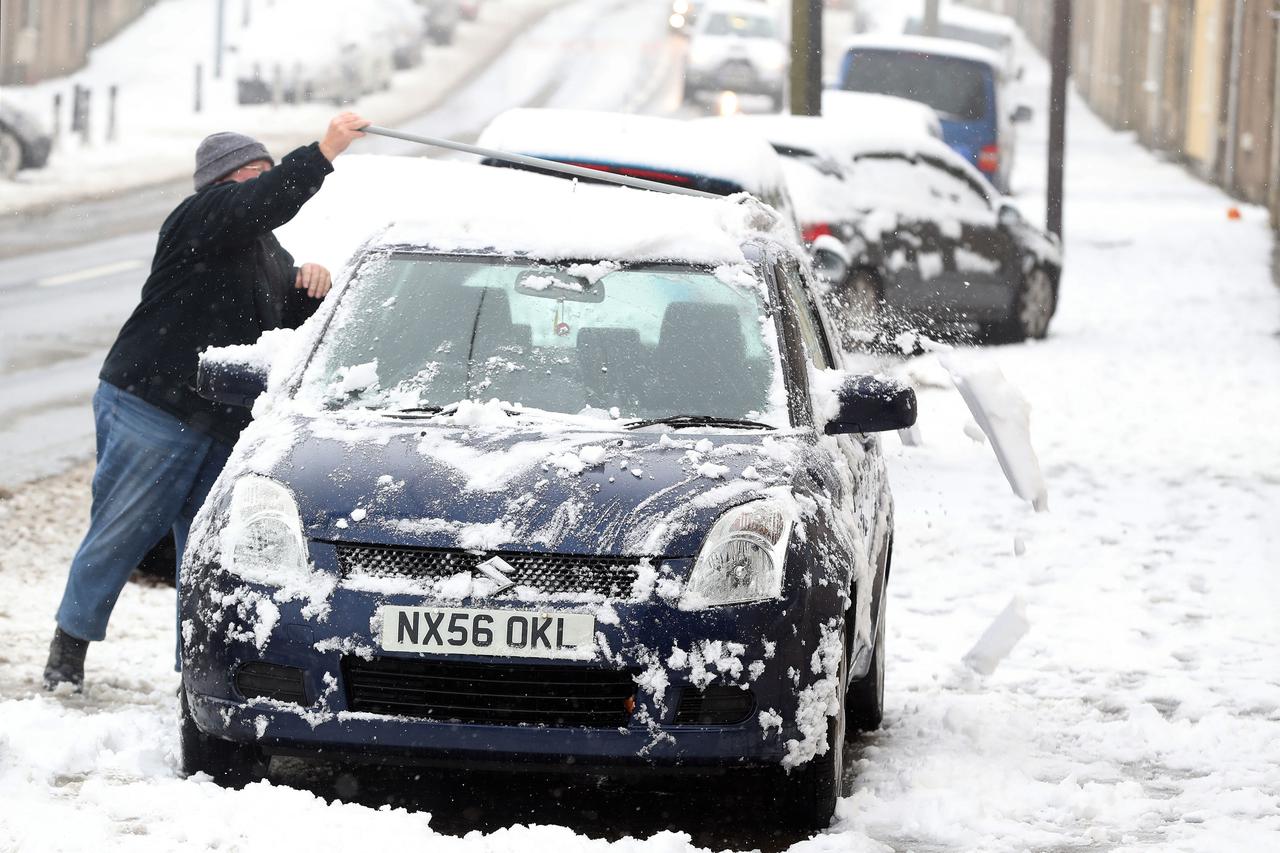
point(1140, 711)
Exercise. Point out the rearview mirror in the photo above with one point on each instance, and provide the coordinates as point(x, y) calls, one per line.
point(1021, 114)
point(830, 259)
point(869, 404)
point(228, 379)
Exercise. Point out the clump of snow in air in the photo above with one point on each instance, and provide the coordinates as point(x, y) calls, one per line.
point(998, 640)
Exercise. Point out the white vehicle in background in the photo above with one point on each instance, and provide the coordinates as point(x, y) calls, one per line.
point(868, 113)
point(995, 32)
point(334, 53)
point(738, 47)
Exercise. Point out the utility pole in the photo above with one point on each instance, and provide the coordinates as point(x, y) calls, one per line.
point(217, 56)
point(1060, 67)
point(930, 27)
point(806, 57)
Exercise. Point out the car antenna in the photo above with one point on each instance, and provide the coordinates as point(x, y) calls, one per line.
point(539, 163)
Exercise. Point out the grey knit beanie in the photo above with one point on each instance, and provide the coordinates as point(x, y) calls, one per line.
point(222, 153)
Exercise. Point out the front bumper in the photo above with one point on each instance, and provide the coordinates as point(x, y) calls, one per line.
point(735, 76)
point(773, 663)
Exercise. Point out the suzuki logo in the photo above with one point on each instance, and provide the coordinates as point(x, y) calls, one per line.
point(499, 571)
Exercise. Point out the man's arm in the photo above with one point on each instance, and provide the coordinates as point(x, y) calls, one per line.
point(234, 212)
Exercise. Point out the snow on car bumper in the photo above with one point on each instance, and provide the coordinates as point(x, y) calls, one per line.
point(666, 653)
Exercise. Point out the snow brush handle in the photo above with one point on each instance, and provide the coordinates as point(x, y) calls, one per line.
point(539, 163)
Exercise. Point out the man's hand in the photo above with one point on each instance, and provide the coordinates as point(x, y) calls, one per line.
point(343, 130)
point(315, 279)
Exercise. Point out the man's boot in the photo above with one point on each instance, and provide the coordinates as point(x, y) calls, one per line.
point(66, 661)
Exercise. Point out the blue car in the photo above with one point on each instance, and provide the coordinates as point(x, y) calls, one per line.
point(509, 502)
point(962, 82)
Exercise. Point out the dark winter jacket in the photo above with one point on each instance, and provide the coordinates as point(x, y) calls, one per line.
point(219, 277)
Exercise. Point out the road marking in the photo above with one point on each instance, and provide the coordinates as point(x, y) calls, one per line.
point(92, 272)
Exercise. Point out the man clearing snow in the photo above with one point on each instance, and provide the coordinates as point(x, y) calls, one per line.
point(219, 277)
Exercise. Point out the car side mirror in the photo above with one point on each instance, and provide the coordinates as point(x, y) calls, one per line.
point(831, 259)
point(1021, 114)
point(868, 404)
point(236, 380)
point(1009, 216)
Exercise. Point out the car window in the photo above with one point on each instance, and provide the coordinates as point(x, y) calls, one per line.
point(956, 188)
point(650, 341)
point(815, 342)
point(954, 87)
point(744, 26)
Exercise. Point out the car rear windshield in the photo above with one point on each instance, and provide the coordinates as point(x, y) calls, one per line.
point(417, 330)
point(956, 88)
point(745, 26)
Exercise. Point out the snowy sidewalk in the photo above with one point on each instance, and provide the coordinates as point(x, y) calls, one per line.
point(159, 129)
point(1141, 711)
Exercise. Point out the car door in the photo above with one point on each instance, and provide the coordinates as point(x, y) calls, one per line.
point(861, 490)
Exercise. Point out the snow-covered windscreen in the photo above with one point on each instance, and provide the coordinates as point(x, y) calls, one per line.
point(423, 330)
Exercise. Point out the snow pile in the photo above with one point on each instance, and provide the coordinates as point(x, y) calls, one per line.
point(1004, 416)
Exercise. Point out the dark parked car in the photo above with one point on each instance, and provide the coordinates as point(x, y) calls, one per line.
point(930, 244)
point(661, 544)
point(23, 143)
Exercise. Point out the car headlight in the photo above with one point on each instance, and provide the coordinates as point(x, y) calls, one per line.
point(263, 536)
point(742, 559)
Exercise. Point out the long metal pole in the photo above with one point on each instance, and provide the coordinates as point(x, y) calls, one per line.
point(218, 38)
point(539, 163)
point(805, 76)
point(930, 23)
point(1233, 97)
point(1060, 64)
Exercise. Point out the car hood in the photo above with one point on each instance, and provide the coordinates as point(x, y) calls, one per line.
point(526, 487)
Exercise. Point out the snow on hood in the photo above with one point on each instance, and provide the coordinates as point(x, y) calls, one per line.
point(465, 207)
point(871, 115)
point(461, 481)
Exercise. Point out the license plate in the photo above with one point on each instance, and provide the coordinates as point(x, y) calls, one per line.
point(501, 633)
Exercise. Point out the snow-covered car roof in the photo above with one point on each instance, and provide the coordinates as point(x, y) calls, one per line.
point(829, 137)
point(661, 144)
point(455, 206)
point(924, 44)
point(886, 115)
point(745, 8)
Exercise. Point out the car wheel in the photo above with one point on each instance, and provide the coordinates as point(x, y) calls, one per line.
point(810, 792)
point(1033, 307)
point(864, 707)
point(231, 764)
point(10, 155)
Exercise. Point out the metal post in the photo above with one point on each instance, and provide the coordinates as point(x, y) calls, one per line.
point(806, 57)
point(1060, 66)
point(1233, 98)
point(57, 117)
point(199, 86)
point(84, 110)
point(930, 26)
point(112, 91)
point(218, 40)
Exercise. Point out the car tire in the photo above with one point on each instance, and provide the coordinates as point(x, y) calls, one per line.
point(864, 706)
point(1033, 307)
point(10, 155)
point(231, 764)
point(809, 793)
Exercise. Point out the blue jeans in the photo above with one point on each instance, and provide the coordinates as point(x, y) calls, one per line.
point(153, 474)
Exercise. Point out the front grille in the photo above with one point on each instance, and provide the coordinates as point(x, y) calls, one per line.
point(491, 694)
point(548, 573)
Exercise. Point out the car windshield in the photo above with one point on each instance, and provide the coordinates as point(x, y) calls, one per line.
point(418, 331)
point(954, 87)
point(745, 26)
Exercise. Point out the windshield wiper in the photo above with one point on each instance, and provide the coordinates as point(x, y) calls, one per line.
point(413, 411)
point(679, 421)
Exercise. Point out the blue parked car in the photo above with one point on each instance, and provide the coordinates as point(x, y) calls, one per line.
point(962, 82)
point(511, 500)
